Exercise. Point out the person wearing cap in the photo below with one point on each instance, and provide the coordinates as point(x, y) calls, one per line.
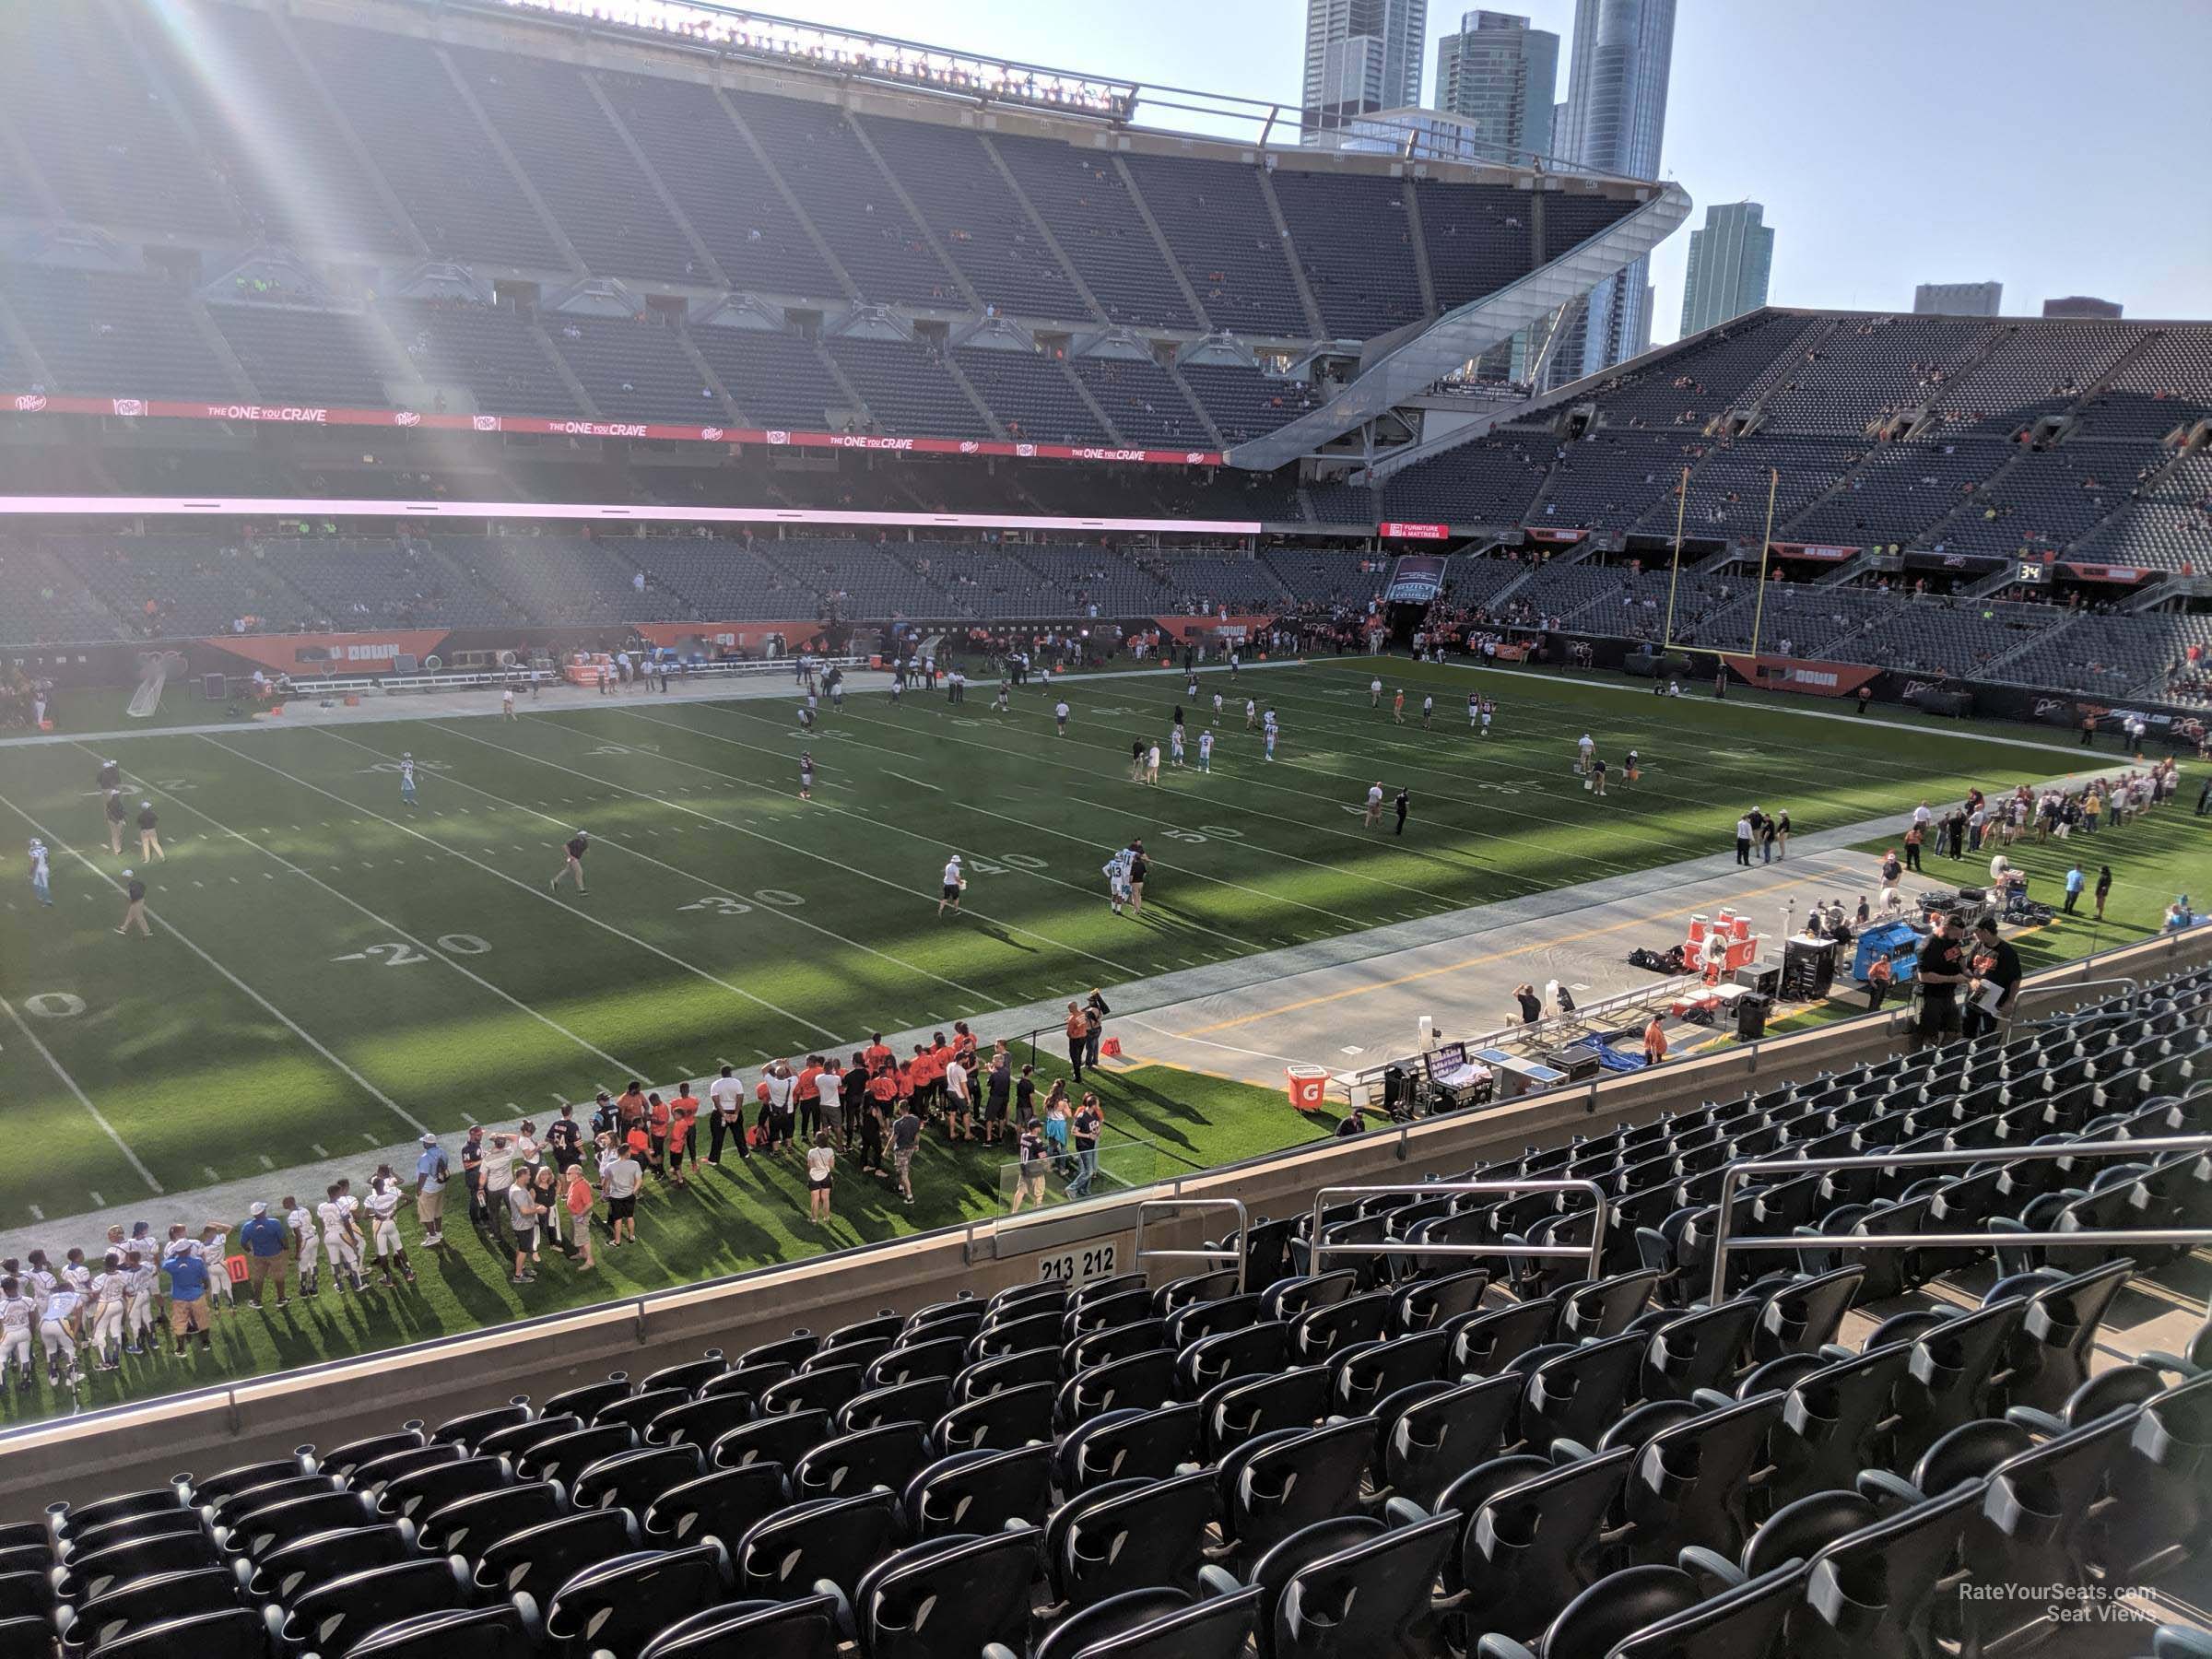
point(110, 775)
point(1995, 983)
point(38, 875)
point(149, 842)
point(269, 1255)
point(115, 813)
point(954, 884)
point(431, 1173)
point(134, 905)
point(579, 844)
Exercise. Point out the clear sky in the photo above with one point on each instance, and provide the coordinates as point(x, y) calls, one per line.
point(2058, 147)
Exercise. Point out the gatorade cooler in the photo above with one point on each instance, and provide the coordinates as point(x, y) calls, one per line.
point(1308, 1087)
point(1739, 927)
point(1698, 927)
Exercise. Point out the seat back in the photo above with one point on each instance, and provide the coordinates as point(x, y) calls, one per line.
point(950, 1596)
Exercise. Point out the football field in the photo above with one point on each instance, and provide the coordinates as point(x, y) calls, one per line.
point(332, 969)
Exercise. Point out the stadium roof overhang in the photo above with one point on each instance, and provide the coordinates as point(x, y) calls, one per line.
point(1419, 360)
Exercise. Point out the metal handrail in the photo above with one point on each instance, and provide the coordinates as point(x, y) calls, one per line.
point(1593, 1254)
point(1732, 1173)
point(1216, 1254)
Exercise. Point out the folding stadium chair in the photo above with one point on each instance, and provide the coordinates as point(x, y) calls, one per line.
point(467, 1429)
point(538, 1559)
point(493, 1632)
point(838, 1539)
point(923, 1401)
point(230, 1633)
point(698, 1422)
point(1830, 1425)
point(1572, 1395)
point(425, 1490)
point(1324, 1595)
point(617, 1605)
point(633, 1479)
point(1449, 1428)
point(283, 1574)
point(1275, 1483)
point(1529, 1540)
point(512, 1441)
point(333, 1616)
point(1703, 1349)
point(207, 1494)
point(722, 1504)
point(949, 1596)
point(1241, 1409)
point(1195, 1320)
point(464, 1526)
point(1128, 1536)
point(1131, 1443)
point(805, 1628)
point(1150, 1624)
point(1692, 1482)
point(1017, 1415)
point(782, 1440)
point(980, 1491)
point(888, 1456)
point(565, 1456)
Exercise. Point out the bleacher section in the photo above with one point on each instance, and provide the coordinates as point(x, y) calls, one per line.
point(401, 102)
point(1218, 225)
point(43, 603)
point(360, 583)
point(1244, 403)
point(720, 187)
point(633, 371)
point(492, 352)
point(1142, 401)
point(907, 387)
point(977, 219)
point(1083, 202)
point(773, 377)
point(1476, 236)
point(305, 355)
point(1355, 241)
point(1846, 1450)
point(114, 331)
point(1031, 394)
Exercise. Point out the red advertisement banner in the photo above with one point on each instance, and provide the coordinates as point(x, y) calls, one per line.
point(1541, 533)
point(1391, 529)
point(1810, 551)
point(144, 408)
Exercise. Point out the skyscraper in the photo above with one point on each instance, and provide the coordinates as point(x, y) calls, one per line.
point(1361, 55)
point(1500, 72)
point(1729, 261)
point(1616, 119)
point(2081, 305)
point(1957, 298)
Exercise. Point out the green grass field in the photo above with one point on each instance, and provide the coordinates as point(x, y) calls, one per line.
point(330, 970)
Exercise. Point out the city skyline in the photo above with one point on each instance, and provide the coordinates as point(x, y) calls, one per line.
point(1360, 56)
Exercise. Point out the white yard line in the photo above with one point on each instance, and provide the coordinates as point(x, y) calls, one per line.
point(527, 887)
point(1025, 824)
point(83, 1100)
point(399, 932)
point(267, 1006)
point(804, 853)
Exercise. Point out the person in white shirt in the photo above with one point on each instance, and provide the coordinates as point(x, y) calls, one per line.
point(821, 1159)
point(110, 1292)
point(1374, 693)
point(1374, 806)
point(1152, 764)
point(1205, 751)
point(17, 1312)
point(1216, 708)
point(142, 1277)
point(726, 1095)
point(1251, 715)
point(507, 702)
point(382, 1205)
point(310, 1243)
point(1427, 712)
point(74, 1274)
point(1583, 750)
point(341, 1239)
point(499, 1175)
point(58, 1330)
point(215, 1250)
point(1175, 745)
point(1059, 717)
point(524, 1212)
point(40, 875)
point(1487, 709)
point(954, 884)
point(957, 1100)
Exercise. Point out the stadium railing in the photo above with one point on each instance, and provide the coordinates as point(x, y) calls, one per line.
point(79, 1457)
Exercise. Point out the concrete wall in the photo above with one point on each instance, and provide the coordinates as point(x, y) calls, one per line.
point(134, 1447)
